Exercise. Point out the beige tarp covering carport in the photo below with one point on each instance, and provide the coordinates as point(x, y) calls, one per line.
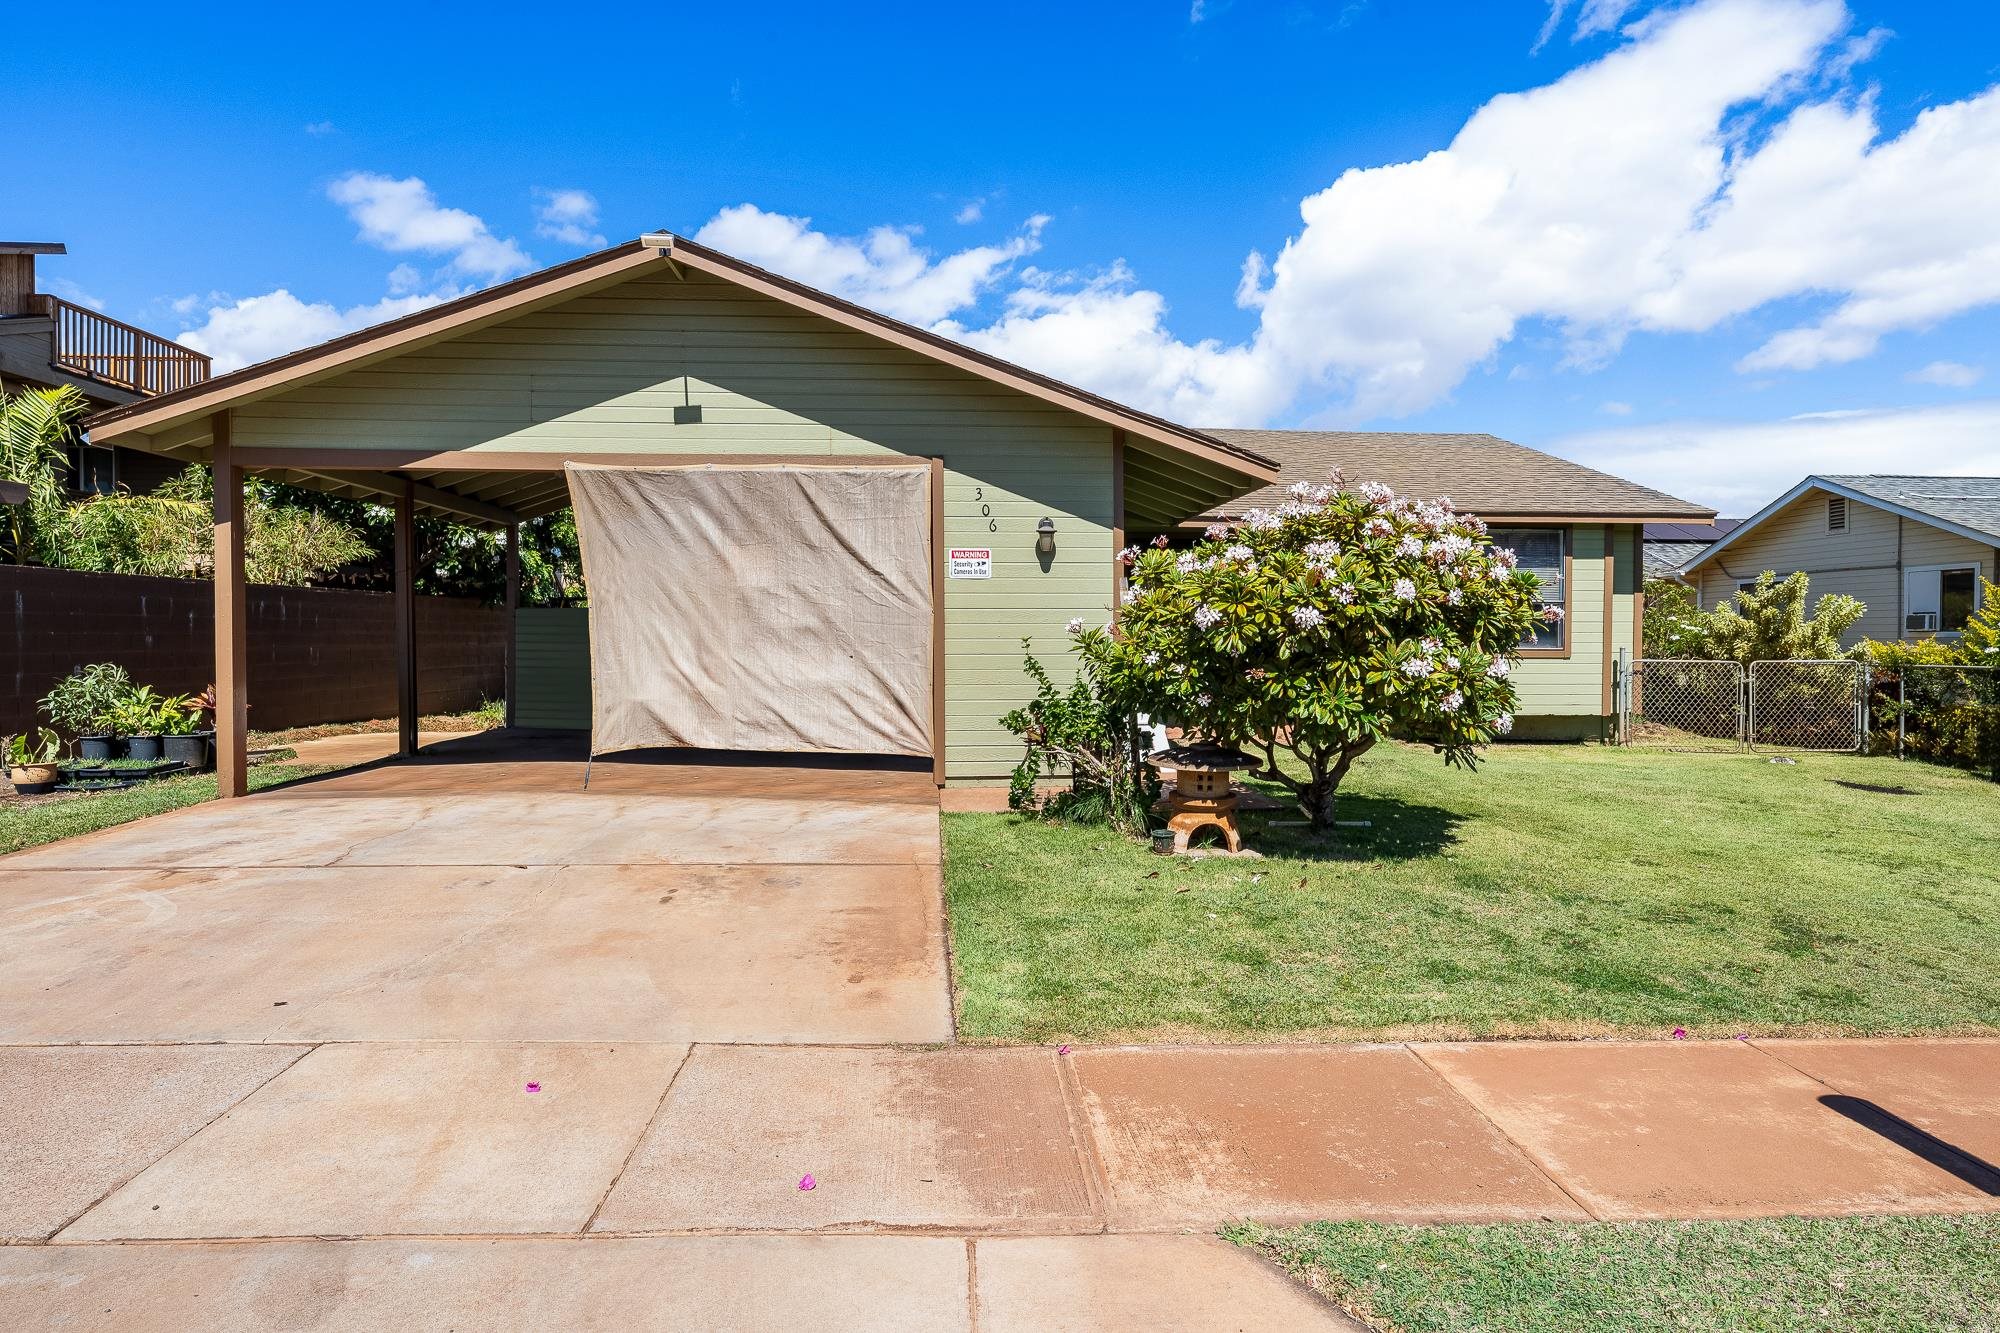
point(757, 608)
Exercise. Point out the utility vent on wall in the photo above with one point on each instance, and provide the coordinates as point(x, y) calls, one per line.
point(1836, 514)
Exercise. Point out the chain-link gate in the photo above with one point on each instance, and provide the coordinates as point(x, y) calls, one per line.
point(1807, 705)
point(1674, 703)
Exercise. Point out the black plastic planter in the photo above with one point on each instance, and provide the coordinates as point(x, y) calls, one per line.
point(190, 750)
point(142, 747)
point(94, 747)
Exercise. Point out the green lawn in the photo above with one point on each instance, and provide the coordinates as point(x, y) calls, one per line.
point(31, 825)
point(1777, 1275)
point(1563, 890)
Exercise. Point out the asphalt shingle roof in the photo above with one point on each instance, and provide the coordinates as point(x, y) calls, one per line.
point(1970, 502)
point(1481, 473)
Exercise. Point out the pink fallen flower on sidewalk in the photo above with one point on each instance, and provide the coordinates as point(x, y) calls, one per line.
point(534, 1087)
point(1680, 1034)
point(807, 1182)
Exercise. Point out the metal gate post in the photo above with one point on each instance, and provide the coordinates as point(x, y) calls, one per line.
point(1746, 712)
point(1621, 700)
point(1902, 676)
point(1861, 708)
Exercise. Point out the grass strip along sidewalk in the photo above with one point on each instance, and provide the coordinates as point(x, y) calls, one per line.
point(1776, 1275)
point(1559, 890)
point(27, 824)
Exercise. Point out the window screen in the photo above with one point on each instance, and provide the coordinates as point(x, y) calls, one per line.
point(1541, 552)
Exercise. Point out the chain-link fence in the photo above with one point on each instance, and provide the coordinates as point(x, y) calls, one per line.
point(1806, 705)
point(1947, 714)
point(1703, 704)
point(1683, 704)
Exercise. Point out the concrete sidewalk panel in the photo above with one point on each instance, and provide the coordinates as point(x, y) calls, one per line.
point(78, 1121)
point(1950, 1089)
point(897, 1284)
point(368, 1140)
point(1194, 1137)
point(1102, 1284)
point(971, 1139)
point(1691, 1129)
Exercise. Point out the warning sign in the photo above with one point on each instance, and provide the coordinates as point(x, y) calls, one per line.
point(971, 563)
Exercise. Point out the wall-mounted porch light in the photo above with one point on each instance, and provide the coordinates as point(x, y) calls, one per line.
point(1045, 537)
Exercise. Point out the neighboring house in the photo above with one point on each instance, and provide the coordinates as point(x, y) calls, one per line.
point(1576, 528)
point(1919, 551)
point(1669, 546)
point(47, 342)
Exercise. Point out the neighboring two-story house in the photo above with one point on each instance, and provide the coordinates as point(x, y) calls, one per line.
point(47, 342)
point(1918, 551)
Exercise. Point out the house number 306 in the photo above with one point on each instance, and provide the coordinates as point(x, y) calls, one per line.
point(985, 510)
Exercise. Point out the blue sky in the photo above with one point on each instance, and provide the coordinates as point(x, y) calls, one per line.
point(1708, 245)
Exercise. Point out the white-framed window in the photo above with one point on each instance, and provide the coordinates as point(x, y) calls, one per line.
point(1542, 552)
point(1836, 513)
point(1939, 599)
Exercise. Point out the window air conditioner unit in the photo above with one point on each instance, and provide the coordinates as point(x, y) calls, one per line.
point(1921, 620)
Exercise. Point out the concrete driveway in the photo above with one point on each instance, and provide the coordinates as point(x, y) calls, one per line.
point(460, 1043)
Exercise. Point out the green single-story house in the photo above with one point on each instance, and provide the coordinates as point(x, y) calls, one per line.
point(665, 354)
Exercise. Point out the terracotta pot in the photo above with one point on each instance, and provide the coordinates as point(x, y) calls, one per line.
point(34, 779)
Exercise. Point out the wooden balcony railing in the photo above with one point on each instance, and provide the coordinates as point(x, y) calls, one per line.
point(113, 352)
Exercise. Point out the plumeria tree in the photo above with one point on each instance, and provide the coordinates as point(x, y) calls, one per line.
point(1321, 627)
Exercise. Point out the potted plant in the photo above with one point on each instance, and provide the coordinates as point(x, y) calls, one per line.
point(31, 762)
point(183, 739)
point(83, 704)
point(136, 716)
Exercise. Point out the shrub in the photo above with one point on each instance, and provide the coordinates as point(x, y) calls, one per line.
point(84, 702)
point(1083, 731)
point(1320, 628)
point(1768, 622)
point(1675, 626)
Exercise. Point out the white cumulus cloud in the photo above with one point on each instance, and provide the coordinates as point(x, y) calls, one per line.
point(1753, 175)
point(256, 328)
point(884, 270)
point(1739, 467)
point(1947, 375)
point(403, 216)
point(568, 217)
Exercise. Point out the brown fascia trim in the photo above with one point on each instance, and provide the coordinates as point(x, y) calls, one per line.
point(660, 248)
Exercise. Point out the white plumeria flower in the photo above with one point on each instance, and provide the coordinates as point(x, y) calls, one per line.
point(1405, 590)
point(1237, 552)
point(1430, 646)
point(1417, 668)
point(1344, 593)
point(1261, 520)
point(1379, 526)
point(1375, 492)
point(1452, 702)
point(1498, 668)
point(1409, 546)
point(1187, 562)
point(1451, 663)
point(1307, 617)
point(1215, 532)
point(1203, 700)
point(1075, 625)
point(1503, 724)
point(1454, 597)
point(1552, 614)
point(1152, 659)
point(1206, 617)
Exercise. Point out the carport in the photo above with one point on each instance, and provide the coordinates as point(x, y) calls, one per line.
point(666, 359)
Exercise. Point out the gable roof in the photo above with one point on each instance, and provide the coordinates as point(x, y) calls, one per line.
point(1487, 475)
point(1967, 507)
point(604, 268)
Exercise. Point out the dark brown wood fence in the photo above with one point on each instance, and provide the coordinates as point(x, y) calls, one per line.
point(316, 654)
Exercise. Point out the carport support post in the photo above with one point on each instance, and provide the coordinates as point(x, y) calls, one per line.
point(406, 621)
point(513, 610)
point(232, 620)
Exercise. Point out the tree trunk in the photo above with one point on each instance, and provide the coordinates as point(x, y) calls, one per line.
point(1319, 796)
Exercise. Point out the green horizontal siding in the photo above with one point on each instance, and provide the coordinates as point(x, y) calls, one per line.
point(553, 668)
